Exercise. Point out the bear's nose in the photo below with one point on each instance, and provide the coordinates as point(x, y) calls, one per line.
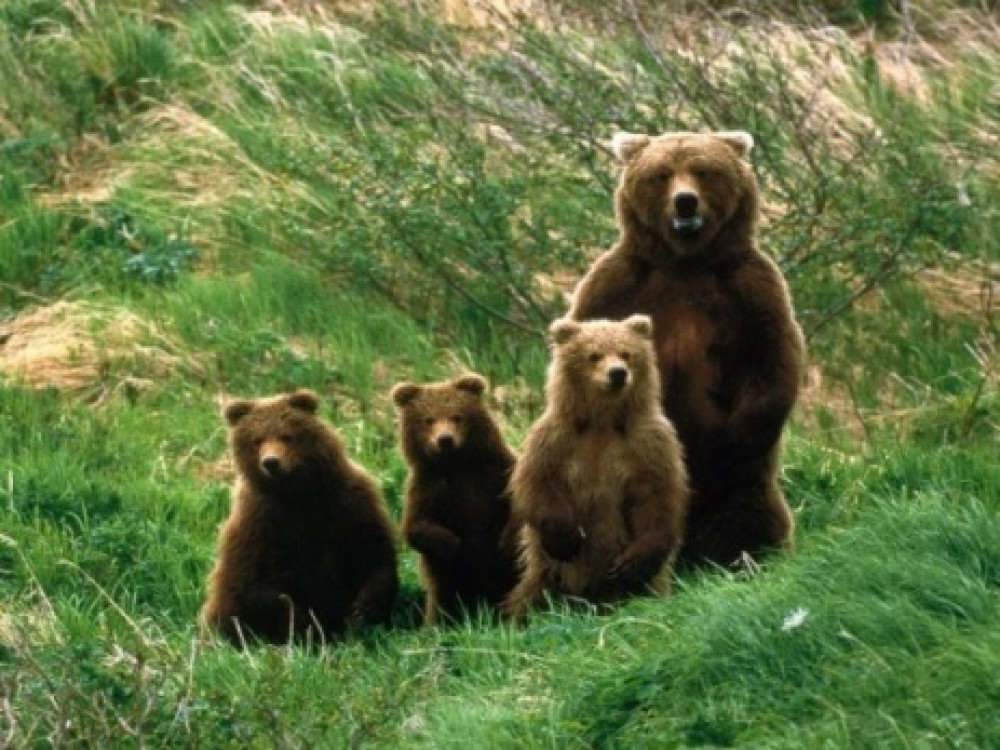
point(446, 442)
point(270, 464)
point(686, 204)
point(617, 376)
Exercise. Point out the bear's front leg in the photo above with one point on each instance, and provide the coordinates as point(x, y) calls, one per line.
point(607, 288)
point(373, 603)
point(653, 511)
point(379, 583)
point(432, 539)
point(558, 531)
point(763, 387)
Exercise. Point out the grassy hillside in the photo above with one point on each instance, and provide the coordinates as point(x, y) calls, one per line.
point(201, 199)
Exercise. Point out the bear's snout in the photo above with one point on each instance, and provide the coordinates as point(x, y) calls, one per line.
point(273, 458)
point(617, 377)
point(688, 218)
point(686, 204)
point(270, 464)
point(444, 437)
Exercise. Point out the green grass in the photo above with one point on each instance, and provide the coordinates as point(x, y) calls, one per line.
point(289, 198)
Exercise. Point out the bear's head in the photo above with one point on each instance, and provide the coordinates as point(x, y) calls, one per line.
point(598, 363)
point(686, 193)
point(443, 421)
point(280, 439)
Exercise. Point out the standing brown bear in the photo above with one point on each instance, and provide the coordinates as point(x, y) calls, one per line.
point(727, 344)
point(308, 547)
point(457, 511)
point(600, 484)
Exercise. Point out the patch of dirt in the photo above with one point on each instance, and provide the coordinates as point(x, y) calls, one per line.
point(88, 348)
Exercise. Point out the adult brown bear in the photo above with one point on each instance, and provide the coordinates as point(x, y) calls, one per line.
point(728, 347)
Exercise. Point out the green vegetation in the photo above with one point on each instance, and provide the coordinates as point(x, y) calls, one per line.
point(200, 199)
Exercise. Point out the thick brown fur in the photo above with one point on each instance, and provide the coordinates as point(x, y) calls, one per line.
point(729, 350)
point(600, 483)
point(457, 510)
point(308, 548)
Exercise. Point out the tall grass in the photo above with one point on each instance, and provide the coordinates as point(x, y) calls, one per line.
point(291, 196)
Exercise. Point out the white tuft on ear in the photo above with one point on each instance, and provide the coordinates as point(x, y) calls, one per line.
point(739, 140)
point(641, 324)
point(627, 146)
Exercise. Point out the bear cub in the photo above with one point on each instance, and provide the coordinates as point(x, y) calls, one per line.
point(600, 484)
point(308, 548)
point(727, 345)
point(457, 513)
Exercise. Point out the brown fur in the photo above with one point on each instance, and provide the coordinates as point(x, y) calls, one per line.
point(308, 547)
point(728, 347)
point(457, 511)
point(601, 482)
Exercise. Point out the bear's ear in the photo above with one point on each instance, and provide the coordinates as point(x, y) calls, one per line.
point(404, 393)
point(640, 324)
point(235, 410)
point(627, 146)
point(562, 330)
point(739, 141)
point(304, 400)
point(471, 383)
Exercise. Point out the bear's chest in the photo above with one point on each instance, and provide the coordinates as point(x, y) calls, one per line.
point(597, 470)
point(691, 321)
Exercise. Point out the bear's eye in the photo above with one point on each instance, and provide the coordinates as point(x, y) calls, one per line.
point(624, 356)
point(285, 437)
point(662, 176)
point(428, 421)
point(594, 357)
point(704, 173)
point(457, 419)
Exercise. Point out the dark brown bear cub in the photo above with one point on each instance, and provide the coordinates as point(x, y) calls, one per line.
point(728, 347)
point(308, 547)
point(457, 511)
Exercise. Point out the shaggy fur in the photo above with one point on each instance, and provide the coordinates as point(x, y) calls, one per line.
point(601, 483)
point(457, 511)
point(728, 348)
point(308, 547)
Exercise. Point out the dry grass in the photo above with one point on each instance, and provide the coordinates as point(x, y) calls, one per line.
point(80, 347)
point(88, 173)
point(972, 293)
point(200, 165)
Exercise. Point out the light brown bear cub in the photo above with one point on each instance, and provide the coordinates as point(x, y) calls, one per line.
point(727, 345)
point(601, 483)
point(308, 547)
point(457, 511)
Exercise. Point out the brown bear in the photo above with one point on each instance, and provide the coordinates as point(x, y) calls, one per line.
point(309, 547)
point(728, 347)
point(600, 483)
point(457, 510)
